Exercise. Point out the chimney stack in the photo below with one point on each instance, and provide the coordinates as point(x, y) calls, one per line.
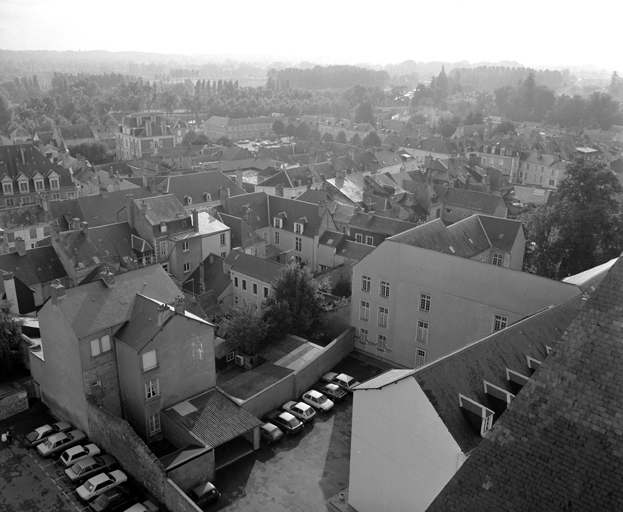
point(85, 228)
point(143, 208)
point(108, 277)
point(179, 305)
point(128, 209)
point(164, 312)
point(224, 197)
point(196, 220)
point(57, 292)
point(75, 224)
point(104, 192)
point(20, 246)
point(339, 179)
point(11, 292)
point(322, 208)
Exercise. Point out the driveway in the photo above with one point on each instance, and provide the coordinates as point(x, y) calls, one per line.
point(301, 472)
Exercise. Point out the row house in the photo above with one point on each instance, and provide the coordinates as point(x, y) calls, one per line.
point(418, 296)
point(26, 175)
point(241, 128)
point(142, 135)
point(542, 170)
point(502, 154)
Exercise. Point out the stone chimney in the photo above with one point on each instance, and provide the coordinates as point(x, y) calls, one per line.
point(473, 159)
point(322, 208)
point(20, 246)
point(339, 179)
point(75, 224)
point(108, 277)
point(23, 155)
point(164, 312)
point(85, 228)
point(179, 305)
point(279, 190)
point(55, 230)
point(310, 182)
point(57, 292)
point(143, 208)
point(196, 220)
point(116, 186)
point(224, 197)
point(11, 292)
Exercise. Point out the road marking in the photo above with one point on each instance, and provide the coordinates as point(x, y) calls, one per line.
point(48, 465)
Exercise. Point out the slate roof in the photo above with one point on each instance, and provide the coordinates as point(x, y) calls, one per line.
point(501, 232)
point(589, 280)
point(252, 208)
point(253, 381)
point(291, 211)
point(288, 178)
point(241, 233)
point(39, 265)
point(216, 419)
point(45, 137)
point(12, 164)
point(214, 278)
point(195, 185)
point(379, 224)
point(353, 250)
point(257, 268)
point(469, 199)
point(559, 445)
point(75, 131)
point(92, 307)
point(23, 217)
point(161, 209)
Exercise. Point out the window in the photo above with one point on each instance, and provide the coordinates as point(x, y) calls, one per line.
point(54, 183)
point(154, 424)
point(150, 360)
point(383, 316)
point(420, 357)
point(365, 283)
point(223, 239)
point(185, 246)
point(186, 267)
point(298, 228)
point(266, 292)
point(364, 310)
point(501, 162)
point(183, 223)
point(236, 281)
point(369, 240)
point(38, 185)
point(298, 244)
point(498, 259)
point(100, 345)
point(32, 233)
point(223, 255)
point(7, 188)
point(499, 322)
point(278, 222)
point(244, 284)
point(10, 202)
point(56, 197)
point(298, 259)
point(152, 389)
point(382, 342)
point(385, 289)
point(540, 179)
point(424, 302)
point(359, 238)
point(422, 331)
point(236, 299)
point(230, 357)
point(277, 237)
point(163, 228)
point(23, 186)
point(254, 289)
point(551, 182)
point(363, 336)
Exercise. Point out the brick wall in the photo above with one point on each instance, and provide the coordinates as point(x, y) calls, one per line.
point(13, 400)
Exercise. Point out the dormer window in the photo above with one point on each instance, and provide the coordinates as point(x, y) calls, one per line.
point(278, 222)
point(7, 188)
point(163, 228)
point(298, 228)
point(23, 186)
point(207, 196)
point(498, 396)
point(39, 187)
point(189, 200)
point(479, 415)
point(516, 378)
point(533, 364)
point(54, 184)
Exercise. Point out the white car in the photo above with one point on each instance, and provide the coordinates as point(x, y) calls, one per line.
point(96, 485)
point(301, 410)
point(317, 400)
point(60, 442)
point(77, 453)
point(346, 382)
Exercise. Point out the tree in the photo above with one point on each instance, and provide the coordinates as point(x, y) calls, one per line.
point(582, 229)
point(327, 137)
point(279, 128)
point(296, 302)
point(356, 140)
point(95, 152)
point(168, 101)
point(246, 327)
point(5, 112)
point(503, 128)
point(290, 129)
point(371, 140)
point(10, 341)
point(341, 137)
point(364, 113)
point(302, 131)
point(189, 138)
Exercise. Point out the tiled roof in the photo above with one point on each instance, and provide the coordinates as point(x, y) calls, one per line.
point(469, 199)
point(38, 265)
point(559, 445)
point(257, 268)
point(92, 307)
point(216, 419)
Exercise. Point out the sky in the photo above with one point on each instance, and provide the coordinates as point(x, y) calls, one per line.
point(533, 33)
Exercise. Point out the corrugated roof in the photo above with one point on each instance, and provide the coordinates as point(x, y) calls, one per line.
point(217, 419)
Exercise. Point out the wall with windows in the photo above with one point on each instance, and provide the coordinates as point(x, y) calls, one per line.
point(432, 303)
point(249, 290)
point(216, 243)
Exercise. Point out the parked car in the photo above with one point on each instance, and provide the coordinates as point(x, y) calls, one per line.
point(146, 506)
point(346, 382)
point(117, 498)
point(317, 400)
point(301, 410)
point(76, 453)
point(97, 484)
point(270, 433)
point(90, 466)
point(59, 442)
point(42, 433)
point(204, 494)
point(335, 392)
point(285, 420)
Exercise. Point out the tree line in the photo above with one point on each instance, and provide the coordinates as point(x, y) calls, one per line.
point(330, 77)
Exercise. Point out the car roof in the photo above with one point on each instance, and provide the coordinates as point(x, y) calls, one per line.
point(75, 449)
point(102, 477)
point(286, 415)
point(62, 424)
point(269, 426)
point(203, 488)
point(85, 462)
point(55, 437)
point(303, 405)
point(330, 385)
point(314, 393)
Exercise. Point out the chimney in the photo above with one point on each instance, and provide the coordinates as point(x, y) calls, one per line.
point(20, 246)
point(322, 208)
point(11, 292)
point(21, 150)
point(211, 258)
point(108, 277)
point(370, 214)
point(224, 197)
point(104, 192)
point(473, 159)
point(164, 312)
point(310, 182)
point(179, 305)
point(143, 208)
point(55, 230)
point(57, 292)
point(196, 220)
point(85, 228)
point(339, 179)
point(116, 186)
point(75, 224)
point(279, 190)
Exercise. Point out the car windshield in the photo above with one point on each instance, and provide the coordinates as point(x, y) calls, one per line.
point(89, 486)
point(48, 444)
point(293, 422)
point(322, 399)
point(76, 468)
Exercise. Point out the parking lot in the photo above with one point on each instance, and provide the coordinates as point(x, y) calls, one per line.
point(300, 472)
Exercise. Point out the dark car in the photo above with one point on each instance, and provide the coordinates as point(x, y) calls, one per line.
point(42, 433)
point(284, 420)
point(118, 498)
point(204, 494)
point(333, 391)
point(90, 466)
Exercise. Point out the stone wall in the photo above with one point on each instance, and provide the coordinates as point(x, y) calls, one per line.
point(13, 400)
point(176, 500)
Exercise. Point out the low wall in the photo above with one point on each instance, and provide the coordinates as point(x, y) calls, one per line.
point(295, 384)
point(175, 499)
point(116, 436)
point(13, 400)
point(191, 473)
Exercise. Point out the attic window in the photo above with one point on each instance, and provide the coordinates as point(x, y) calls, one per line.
point(189, 200)
point(498, 395)
point(298, 228)
point(481, 416)
point(516, 377)
point(278, 222)
point(163, 228)
point(207, 196)
point(533, 364)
